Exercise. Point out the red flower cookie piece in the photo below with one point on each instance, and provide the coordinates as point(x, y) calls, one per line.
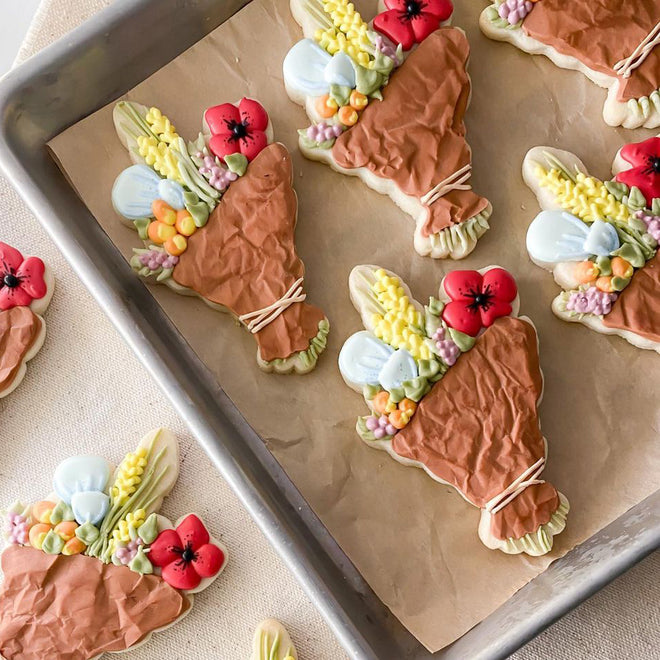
point(21, 280)
point(477, 300)
point(409, 22)
point(186, 555)
point(237, 129)
point(645, 171)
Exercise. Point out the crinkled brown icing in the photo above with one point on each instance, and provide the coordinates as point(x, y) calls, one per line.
point(415, 136)
point(19, 329)
point(245, 257)
point(599, 33)
point(478, 428)
point(637, 308)
point(77, 607)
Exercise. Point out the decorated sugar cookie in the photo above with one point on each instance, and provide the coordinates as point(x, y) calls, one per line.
point(271, 641)
point(26, 287)
point(386, 104)
point(600, 239)
point(217, 219)
point(453, 388)
point(614, 43)
point(93, 567)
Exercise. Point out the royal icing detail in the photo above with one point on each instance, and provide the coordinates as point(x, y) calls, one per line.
point(441, 400)
point(100, 534)
point(600, 239)
point(195, 244)
point(271, 641)
point(354, 81)
point(26, 287)
point(615, 44)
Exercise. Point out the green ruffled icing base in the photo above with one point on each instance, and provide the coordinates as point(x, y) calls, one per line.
point(304, 361)
point(456, 236)
point(540, 542)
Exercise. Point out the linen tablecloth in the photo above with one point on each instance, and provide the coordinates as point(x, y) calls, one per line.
point(87, 393)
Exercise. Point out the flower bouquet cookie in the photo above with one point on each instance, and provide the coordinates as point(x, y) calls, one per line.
point(217, 219)
point(613, 43)
point(271, 641)
point(26, 287)
point(93, 567)
point(453, 388)
point(600, 239)
point(387, 103)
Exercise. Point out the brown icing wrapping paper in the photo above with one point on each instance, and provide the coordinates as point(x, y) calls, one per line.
point(19, 328)
point(77, 607)
point(414, 540)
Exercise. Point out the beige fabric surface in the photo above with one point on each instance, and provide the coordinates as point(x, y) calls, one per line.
point(86, 392)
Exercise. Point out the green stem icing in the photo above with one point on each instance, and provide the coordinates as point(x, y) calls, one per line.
point(555, 163)
point(131, 113)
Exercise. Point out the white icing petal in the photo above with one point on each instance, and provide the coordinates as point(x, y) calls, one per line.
point(400, 367)
point(79, 474)
point(304, 68)
point(90, 506)
point(362, 358)
point(556, 236)
point(340, 70)
point(137, 187)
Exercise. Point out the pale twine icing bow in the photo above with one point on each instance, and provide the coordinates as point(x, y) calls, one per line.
point(455, 181)
point(626, 66)
point(260, 318)
point(528, 478)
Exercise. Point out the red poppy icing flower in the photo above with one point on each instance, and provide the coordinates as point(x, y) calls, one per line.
point(645, 171)
point(237, 129)
point(476, 299)
point(186, 555)
point(409, 22)
point(21, 280)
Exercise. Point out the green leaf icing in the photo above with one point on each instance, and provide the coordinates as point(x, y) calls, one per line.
point(637, 224)
point(370, 391)
point(620, 283)
point(87, 533)
point(340, 94)
point(416, 388)
point(604, 265)
point(428, 368)
point(655, 206)
point(377, 95)
point(308, 143)
point(62, 511)
point(237, 163)
point(142, 225)
point(148, 530)
point(116, 561)
point(367, 81)
point(198, 209)
point(53, 543)
point(631, 253)
point(616, 189)
point(636, 199)
point(140, 564)
point(463, 341)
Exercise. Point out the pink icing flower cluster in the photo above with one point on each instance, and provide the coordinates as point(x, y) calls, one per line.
point(514, 11)
point(126, 553)
point(380, 426)
point(219, 177)
point(591, 301)
point(386, 48)
point(322, 132)
point(652, 223)
point(17, 529)
point(155, 259)
point(447, 349)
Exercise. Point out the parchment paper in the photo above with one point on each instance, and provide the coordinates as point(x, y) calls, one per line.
point(414, 540)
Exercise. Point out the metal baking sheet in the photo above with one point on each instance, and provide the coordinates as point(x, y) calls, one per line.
point(78, 75)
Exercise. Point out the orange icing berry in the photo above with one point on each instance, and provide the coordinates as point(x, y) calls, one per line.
point(348, 116)
point(37, 534)
point(621, 267)
point(408, 407)
point(398, 419)
point(586, 271)
point(176, 245)
point(380, 402)
point(73, 546)
point(41, 511)
point(605, 284)
point(326, 106)
point(163, 211)
point(357, 100)
point(184, 223)
point(159, 232)
point(66, 530)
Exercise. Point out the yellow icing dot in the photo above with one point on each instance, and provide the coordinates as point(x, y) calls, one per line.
point(587, 197)
point(128, 478)
point(402, 325)
point(160, 156)
point(161, 126)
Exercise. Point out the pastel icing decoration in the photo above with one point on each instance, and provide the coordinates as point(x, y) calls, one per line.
point(121, 561)
point(429, 421)
point(217, 250)
point(556, 236)
point(355, 80)
point(613, 43)
point(600, 240)
point(272, 641)
point(138, 187)
point(26, 288)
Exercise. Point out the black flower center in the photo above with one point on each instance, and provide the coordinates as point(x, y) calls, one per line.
point(413, 8)
point(480, 299)
point(238, 129)
point(188, 554)
point(11, 280)
point(655, 164)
